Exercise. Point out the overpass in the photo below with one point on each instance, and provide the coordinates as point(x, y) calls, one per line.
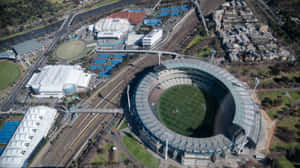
point(98, 110)
point(159, 53)
point(139, 51)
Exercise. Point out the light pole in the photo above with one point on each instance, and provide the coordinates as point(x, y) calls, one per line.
point(166, 152)
point(256, 84)
point(128, 97)
point(159, 55)
point(167, 143)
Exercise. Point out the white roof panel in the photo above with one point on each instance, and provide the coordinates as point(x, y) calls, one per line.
point(26, 138)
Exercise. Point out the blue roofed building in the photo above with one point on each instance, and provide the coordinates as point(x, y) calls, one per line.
point(27, 47)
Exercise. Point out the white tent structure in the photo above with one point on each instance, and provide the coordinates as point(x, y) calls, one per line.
point(59, 80)
point(112, 27)
point(32, 129)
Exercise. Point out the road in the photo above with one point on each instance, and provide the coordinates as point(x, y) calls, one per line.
point(72, 16)
point(71, 139)
point(65, 147)
point(40, 61)
point(279, 89)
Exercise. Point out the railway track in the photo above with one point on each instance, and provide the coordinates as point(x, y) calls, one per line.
point(110, 97)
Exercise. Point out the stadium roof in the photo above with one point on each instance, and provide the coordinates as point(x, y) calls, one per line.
point(9, 54)
point(34, 126)
point(246, 115)
point(53, 78)
point(112, 25)
point(27, 47)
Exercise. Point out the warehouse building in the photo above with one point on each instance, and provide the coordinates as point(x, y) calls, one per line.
point(30, 132)
point(111, 28)
point(152, 38)
point(59, 80)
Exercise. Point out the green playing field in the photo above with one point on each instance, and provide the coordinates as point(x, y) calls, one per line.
point(182, 108)
point(70, 49)
point(9, 73)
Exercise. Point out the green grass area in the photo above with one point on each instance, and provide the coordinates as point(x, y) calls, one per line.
point(282, 162)
point(85, 52)
point(290, 123)
point(274, 111)
point(124, 124)
point(172, 167)
point(182, 109)
point(205, 52)
point(2, 122)
point(104, 3)
point(10, 73)
point(101, 158)
point(55, 1)
point(16, 117)
point(124, 158)
point(70, 49)
point(196, 40)
point(101, 4)
point(295, 95)
point(139, 152)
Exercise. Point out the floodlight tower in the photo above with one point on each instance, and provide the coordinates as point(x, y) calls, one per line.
point(128, 97)
point(167, 143)
point(256, 84)
point(159, 55)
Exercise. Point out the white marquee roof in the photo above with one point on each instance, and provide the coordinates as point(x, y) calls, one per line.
point(112, 25)
point(53, 78)
point(34, 126)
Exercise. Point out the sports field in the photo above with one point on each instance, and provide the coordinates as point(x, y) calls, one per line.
point(139, 152)
point(182, 108)
point(70, 49)
point(9, 73)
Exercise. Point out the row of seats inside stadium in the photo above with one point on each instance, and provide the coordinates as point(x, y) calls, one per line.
point(245, 114)
point(210, 145)
point(144, 87)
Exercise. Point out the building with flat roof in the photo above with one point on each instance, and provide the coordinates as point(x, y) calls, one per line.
point(30, 132)
point(153, 37)
point(59, 80)
point(112, 27)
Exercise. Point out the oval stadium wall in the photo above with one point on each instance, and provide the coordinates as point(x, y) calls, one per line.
point(241, 126)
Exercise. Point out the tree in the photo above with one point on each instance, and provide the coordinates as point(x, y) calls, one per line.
point(275, 70)
point(282, 162)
